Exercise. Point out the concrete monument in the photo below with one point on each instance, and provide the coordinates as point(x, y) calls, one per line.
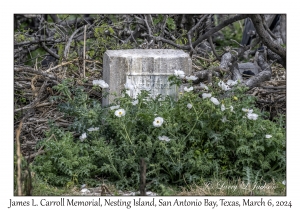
point(142, 69)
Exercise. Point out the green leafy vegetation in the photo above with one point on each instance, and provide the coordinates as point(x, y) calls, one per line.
point(190, 140)
point(106, 40)
point(234, 31)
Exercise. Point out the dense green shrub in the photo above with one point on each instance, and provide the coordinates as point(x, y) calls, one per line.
point(65, 161)
point(186, 140)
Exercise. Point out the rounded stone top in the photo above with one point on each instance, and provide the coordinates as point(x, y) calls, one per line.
point(162, 53)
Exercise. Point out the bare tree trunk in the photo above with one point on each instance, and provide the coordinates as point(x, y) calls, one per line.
point(283, 28)
point(265, 36)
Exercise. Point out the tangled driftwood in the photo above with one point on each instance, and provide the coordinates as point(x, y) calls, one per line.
point(32, 105)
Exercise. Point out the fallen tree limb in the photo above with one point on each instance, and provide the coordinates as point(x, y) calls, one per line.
point(32, 106)
point(266, 37)
point(35, 154)
point(32, 70)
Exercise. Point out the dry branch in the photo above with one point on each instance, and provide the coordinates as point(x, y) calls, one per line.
point(19, 156)
point(84, 43)
point(265, 36)
point(35, 154)
point(66, 52)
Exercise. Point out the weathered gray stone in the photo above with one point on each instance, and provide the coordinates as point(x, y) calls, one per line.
point(146, 69)
point(249, 67)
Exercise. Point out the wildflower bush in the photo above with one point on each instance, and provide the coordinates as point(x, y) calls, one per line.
point(214, 133)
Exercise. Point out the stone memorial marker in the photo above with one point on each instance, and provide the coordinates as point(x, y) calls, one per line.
point(143, 69)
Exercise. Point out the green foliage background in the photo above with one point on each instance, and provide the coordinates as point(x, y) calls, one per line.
point(201, 146)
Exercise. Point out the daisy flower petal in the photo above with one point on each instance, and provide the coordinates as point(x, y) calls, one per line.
point(158, 121)
point(120, 112)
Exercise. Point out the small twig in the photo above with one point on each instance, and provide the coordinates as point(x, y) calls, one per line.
point(84, 43)
point(209, 76)
point(213, 48)
point(40, 152)
point(68, 45)
point(270, 87)
point(237, 43)
point(49, 51)
point(32, 106)
point(196, 67)
point(31, 70)
point(62, 64)
point(162, 29)
point(269, 65)
point(186, 183)
point(202, 58)
point(92, 61)
point(105, 190)
point(37, 99)
point(192, 30)
point(32, 85)
point(148, 27)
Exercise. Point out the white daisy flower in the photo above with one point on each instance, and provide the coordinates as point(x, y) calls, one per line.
point(268, 136)
point(188, 89)
point(120, 112)
point(158, 121)
point(223, 107)
point(231, 108)
point(189, 105)
point(231, 82)
point(114, 107)
point(193, 78)
point(179, 73)
point(203, 86)
point(249, 111)
point(93, 129)
point(224, 119)
point(215, 101)
point(252, 116)
point(101, 83)
point(83, 136)
point(164, 138)
point(135, 102)
point(206, 95)
point(223, 86)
